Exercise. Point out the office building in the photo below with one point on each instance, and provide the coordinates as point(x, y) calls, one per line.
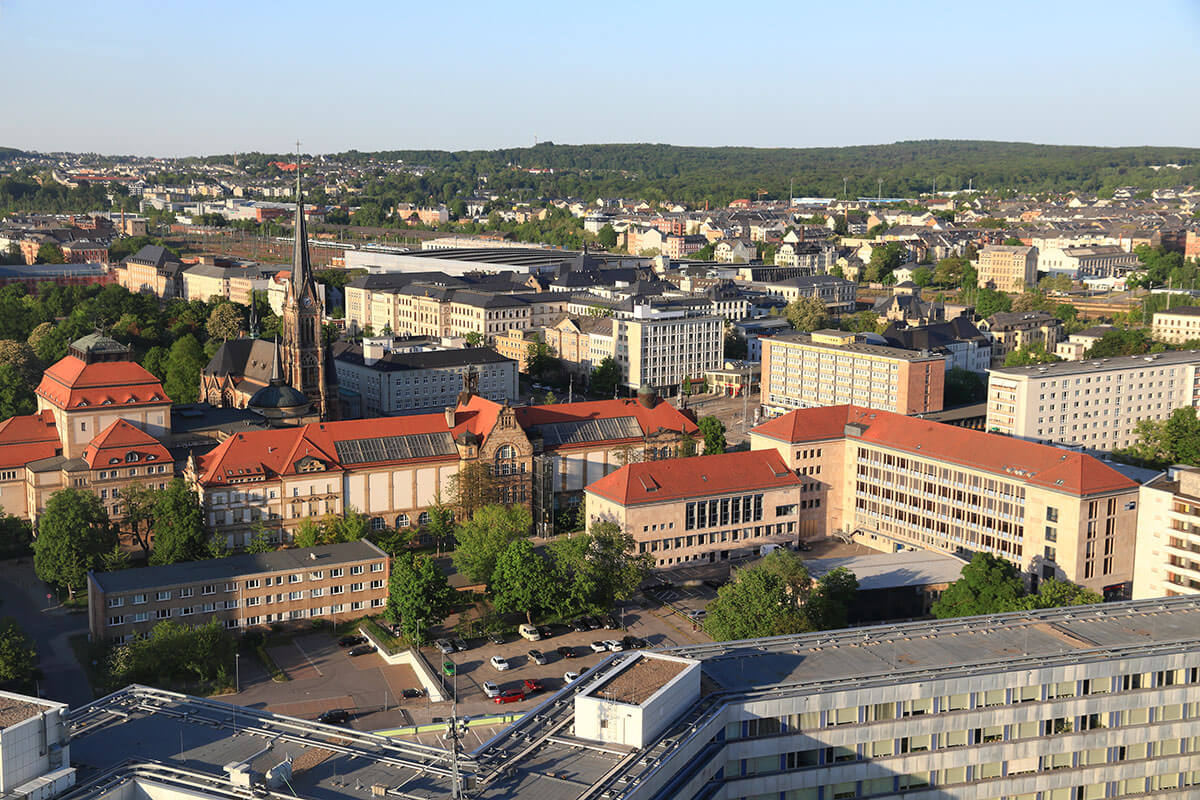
point(346, 580)
point(1008, 268)
point(828, 367)
point(1095, 261)
point(1094, 404)
point(838, 294)
point(1167, 563)
point(894, 482)
point(660, 347)
point(1086, 702)
point(708, 508)
point(1177, 325)
point(35, 747)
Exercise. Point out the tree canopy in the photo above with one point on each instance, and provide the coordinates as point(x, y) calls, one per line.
point(807, 314)
point(419, 596)
point(713, 431)
point(73, 536)
point(483, 537)
point(522, 581)
point(180, 532)
point(992, 585)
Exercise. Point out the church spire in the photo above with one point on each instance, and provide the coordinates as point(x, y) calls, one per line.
point(276, 373)
point(301, 268)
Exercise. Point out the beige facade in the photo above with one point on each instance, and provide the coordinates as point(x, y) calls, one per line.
point(339, 581)
point(825, 368)
point(1008, 268)
point(660, 351)
point(1093, 404)
point(1177, 326)
point(434, 311)
point(1167, 563)
point(893, 482)
point(1011, 330)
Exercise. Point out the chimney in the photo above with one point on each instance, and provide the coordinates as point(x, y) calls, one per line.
point(449, 416)
point(373, 349)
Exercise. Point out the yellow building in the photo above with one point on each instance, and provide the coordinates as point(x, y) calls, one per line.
point(1167, 563)
point(1008, 268)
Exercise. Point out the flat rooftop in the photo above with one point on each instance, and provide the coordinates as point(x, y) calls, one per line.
point(862, 348)
point(636, 684)
point(1059, 369)
point(891, 570)
point(15, 709)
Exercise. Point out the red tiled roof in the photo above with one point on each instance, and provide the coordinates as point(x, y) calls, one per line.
point(114, 443)
point(663, 416)
point(28, 438)
point(1038, 464)
point(259, 454)
point(701, 476)
point(72, 383)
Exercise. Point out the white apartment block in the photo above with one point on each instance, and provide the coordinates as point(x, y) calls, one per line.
point(659, 348)
point(1176, 326)
point(1167, 562)
point(1099, 261)
point(1092, 404)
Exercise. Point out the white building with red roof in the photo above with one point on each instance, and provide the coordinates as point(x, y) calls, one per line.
point(894, 482)
point(100, 423)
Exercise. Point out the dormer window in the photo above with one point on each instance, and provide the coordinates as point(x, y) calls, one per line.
point(130, 457)
point(107, 401)
point(151, 457)
point(81, 403)
point(114, 461)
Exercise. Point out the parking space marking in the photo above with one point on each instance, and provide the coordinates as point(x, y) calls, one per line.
point(311, 663)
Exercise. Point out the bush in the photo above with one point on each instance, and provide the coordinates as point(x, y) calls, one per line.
point(173, 655)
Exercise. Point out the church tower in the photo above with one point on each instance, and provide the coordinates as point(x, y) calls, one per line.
point(305, 366)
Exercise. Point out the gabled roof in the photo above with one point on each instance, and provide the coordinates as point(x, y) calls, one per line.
point(263, 454)
point(72, 383)
point(113, 444)
point(28, 438)
point(1037, 464)
point(663, 416)
point(702, 476)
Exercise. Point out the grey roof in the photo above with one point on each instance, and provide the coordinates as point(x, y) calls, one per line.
point(853, 347)
point(249, 359)
point(933, 337)
point(1058, 369)
point(1009, 319)
point(231, 567)
point(1186, 311)
point(153, 255)
point(216, 271)
point(430, 359)
point(891, 570)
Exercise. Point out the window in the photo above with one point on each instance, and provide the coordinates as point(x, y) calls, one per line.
point(138, 599)
point(336, 572)
point(377, 523)
point(377, 566)
point(356, 587)
point(209, 589)
point(356, 570)
point(160, 596)
point(117, 620)
point(295, 578)
point(296, 595)
point(185, 593)
point(162, 613)
point(402, 521)
point(116, 602)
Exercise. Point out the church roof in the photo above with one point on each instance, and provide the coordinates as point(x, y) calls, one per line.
point(242, 360)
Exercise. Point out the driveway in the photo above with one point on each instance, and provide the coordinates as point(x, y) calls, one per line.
point(23, 597)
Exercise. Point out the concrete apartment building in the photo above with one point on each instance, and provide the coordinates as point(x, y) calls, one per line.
point(1008, 268)
point(1176, 326)
point(838, 294)
point(1097, 261)
point(429, 310)
point(224, 278)
point(1167, 563)
point(1084, 702)
point(828, 367)
point(660, 347)
point(703, 509)
point(246, 590)
point(1009, 330)
point(376, 380)
point(1094, 404)
point(894, 482)
point(1077, 344)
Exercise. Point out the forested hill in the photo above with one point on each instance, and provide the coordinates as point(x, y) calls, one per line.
point(720, 174)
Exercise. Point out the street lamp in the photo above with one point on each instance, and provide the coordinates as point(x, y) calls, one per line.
point(237, 673)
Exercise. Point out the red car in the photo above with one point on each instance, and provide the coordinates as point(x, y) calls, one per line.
point(509, 696)
point(533, 685)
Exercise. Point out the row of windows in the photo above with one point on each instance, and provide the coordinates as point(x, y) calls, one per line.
point(716, 537)
point(724, 511)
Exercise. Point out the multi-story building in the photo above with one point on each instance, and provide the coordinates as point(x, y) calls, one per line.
point(85, 251)
point(958, 341)
point(392, 469)
point(152, 270)
point(1094, 404)
point(570, 339)
point(1076, 703)
point(826, 368)
point(1098, 261)
point(1009, 330)
point(378, 379)
point(816, 258)
point(1077, 344)
point(892, 482)
point(1008, 268)
point(223, 278)
point(709, 508)
point(1167, 562)
point(735, 251)
point(659, 347)
point(345, 580)
point(838, 294)
point(1177, 325)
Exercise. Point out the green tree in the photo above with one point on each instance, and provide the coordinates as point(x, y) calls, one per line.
point(988, 585)
point(48, 342)
point(964, 387)
point(16, 395)
point(225, 322)
point(1161, 443)
point(349, 527)
point(179, 530)
point(807, 314)
point(16, 536)
point(1028, 354)
point(540, 361)
point(22, 357)
point(884, 260)
point(184, 363)
point(1053, 593)
point(484, 537)
point(473, 339)
point(49, 253)
point(419, 596)
point(922, 276)
point(755, 603)
point(115, 559)
point(471, 488)
point(862, 322)
point(606, 377)
point(260, 542)
point(714, 435)
point(521, 581)
point(1057, 282)
point(989, 302)
point(829, 602)
point(1013, 241)
point(156, 361)
point(73, 536)
point(17, 655)
point(607, 237)
point(308, 534)
point(1121, 342)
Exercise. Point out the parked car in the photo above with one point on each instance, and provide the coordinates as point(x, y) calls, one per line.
point(538, 657)
point(496, 638)
point(335, 716)
point(362, 650)
point(610, 622)
point(545, 631)
point(579, 626)
point(448, 668)
point(613, 645)
point(529, 632)
point(532, 685)
point(804, 546)
point(351, 640)
point(459, 644)
point(599, 647)
point(444, 646)
point(592, 623)
point(500, 663)
point(634, 642)
point(566, 652)
point(570, 676)
point(509, 696)
point(409, 694)
point(490, 689)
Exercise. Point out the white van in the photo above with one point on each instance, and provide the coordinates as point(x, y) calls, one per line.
point(767, 548)
point(529, 632)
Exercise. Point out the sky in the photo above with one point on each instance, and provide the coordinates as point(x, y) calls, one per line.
point(173, 78)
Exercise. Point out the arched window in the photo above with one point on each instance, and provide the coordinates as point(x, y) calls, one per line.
point(402, 521)
point(377, 523)
point(506, 458)
point(423, 518)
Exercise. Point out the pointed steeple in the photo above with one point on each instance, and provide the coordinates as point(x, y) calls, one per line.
point(301, 268)
point(253, 317)
point(276, 373)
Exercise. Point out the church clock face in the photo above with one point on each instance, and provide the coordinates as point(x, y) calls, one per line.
point(308, 302)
